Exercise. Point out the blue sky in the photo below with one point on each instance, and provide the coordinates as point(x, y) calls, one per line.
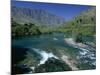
point(66, 11)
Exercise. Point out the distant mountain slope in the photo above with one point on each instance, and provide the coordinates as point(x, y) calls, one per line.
point(39, 16)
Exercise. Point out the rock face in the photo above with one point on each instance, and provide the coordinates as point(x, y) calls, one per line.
point(39, 16)
point(52, 65)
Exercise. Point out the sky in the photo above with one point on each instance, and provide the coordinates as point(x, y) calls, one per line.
point(67, 11)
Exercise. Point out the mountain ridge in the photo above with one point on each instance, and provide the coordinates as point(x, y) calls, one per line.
point(38, 16)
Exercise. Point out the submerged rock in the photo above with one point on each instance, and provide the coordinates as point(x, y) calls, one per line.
point(21, 69)
point(52, 65)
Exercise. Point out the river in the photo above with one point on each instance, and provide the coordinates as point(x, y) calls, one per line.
point(54, 45)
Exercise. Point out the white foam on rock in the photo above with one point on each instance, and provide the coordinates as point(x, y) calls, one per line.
point(44, 55)
point(32, 68)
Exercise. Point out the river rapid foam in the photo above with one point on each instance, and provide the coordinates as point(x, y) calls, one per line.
point(45, 56)
point(85, 52)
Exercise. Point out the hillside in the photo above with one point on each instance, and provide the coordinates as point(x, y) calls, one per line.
point(87, 17)
point(38, 16)
point(84, 24)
